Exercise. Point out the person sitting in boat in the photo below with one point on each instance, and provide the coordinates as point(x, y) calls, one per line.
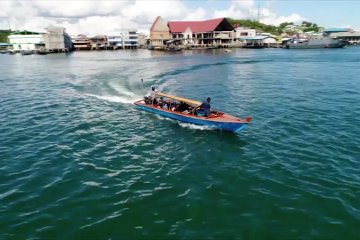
point(206, 107)
point(161, 101)
point(173, 106)
point(183, 107)
point(165, 106)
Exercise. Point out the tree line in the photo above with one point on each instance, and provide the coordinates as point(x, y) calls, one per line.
point(305, 26)
point(4, 35)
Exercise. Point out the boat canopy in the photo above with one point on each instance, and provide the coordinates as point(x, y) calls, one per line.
point(188, 101)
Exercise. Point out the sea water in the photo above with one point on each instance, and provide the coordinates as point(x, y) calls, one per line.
point(79, 161)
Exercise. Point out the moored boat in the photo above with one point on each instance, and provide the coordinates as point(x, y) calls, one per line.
point(217, 119)
point(27, 52)
point(325, 42)
point(42, 51)
point(173, 49)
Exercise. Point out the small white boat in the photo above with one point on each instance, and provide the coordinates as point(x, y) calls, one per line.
point(227, 50)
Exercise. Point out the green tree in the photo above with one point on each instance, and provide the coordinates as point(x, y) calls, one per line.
point(256, 25)
point(4, 35)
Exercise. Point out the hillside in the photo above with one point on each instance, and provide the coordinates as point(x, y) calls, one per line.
point(286, 27)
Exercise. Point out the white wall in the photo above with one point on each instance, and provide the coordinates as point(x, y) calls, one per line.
point(269, 40)
point(25, 42)
point(244, 32)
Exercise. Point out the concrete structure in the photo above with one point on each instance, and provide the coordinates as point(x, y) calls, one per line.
point(142, 40)
point(57, 40)
point(130, 39)
point(26, 41)
point(81, 42)
point(159, 33)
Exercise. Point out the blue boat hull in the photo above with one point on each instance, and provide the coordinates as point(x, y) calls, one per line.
point(226, 126)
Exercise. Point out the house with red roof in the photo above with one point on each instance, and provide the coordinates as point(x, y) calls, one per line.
point(209, 33)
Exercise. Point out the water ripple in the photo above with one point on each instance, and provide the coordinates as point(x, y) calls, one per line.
point(78, 160)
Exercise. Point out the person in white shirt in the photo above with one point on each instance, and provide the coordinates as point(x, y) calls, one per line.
point(153, 95)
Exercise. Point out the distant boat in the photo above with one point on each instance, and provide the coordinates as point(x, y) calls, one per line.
point(27, 52)
point(255, 46)
point(42, 51)
point(212, 47)
point(227, 50)
point(217, 119)
point(326, 42)
point(173, 49)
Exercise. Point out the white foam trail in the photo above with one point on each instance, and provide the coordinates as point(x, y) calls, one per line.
point(115, 98)
point(92, 183)
point(165, 118)
point(187, 125)
point(162, 86)
point(196, 127)
point(121, 90)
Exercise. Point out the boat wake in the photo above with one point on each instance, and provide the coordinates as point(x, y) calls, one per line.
point(196, 127)
point(121, 90)
point(116, 99)
point(187, 125)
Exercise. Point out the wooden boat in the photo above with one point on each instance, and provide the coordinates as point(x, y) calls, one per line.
point(217, 119)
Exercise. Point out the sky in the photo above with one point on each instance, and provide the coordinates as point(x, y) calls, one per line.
point(93, 17)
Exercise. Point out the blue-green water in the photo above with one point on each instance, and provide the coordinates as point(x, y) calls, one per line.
point(79, 161)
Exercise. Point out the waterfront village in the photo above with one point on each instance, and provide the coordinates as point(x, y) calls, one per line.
point(168, 36)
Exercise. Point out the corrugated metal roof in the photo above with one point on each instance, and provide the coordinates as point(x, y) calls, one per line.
point(338, 30)
point(5, 44)
point(255, 38)
point(195, 26)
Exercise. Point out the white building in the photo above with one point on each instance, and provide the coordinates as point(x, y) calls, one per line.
point(24, 41)
point(115, 40)
point(130, 39)
point(244, 32)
